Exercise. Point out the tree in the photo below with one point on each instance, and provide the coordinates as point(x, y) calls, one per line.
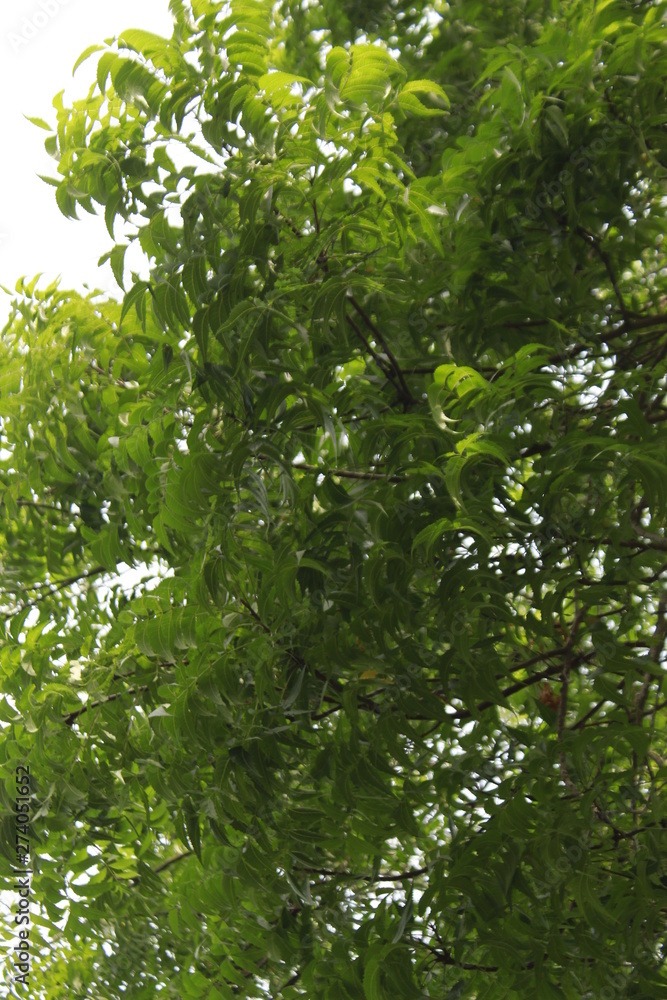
point(333, 557)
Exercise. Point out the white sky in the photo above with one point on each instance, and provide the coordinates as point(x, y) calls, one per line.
point(40, 41)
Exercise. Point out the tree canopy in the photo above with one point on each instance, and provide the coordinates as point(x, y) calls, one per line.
point(333, 553)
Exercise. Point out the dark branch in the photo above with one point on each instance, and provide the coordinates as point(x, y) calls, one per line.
point(171, 861)
point(70, 719)
point(334, 873)
point(347, 473)
point(594, 244)
point(386, 371)
point(407, 395)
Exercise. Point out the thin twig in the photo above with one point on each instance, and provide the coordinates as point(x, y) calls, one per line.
point(594, 242)
point(639, 322)
point(347, 473)
point(290, 982)
point(386, 371)
point(70, 719)
point(445, 958)
point(387, 350)
point(520, 685)
point(164, 865)
point(334, 873)
point(589, 715)
point(171, 861)
point(43, 596)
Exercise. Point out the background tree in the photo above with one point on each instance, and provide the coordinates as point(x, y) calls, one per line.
point(381, 437)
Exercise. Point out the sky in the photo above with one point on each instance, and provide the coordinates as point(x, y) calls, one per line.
point(40, 40)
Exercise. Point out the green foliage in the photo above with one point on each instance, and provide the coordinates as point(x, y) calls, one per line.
point(333, 557)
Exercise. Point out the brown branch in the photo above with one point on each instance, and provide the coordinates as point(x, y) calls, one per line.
point(642, 340)
point(341, 473)
point(70, 579)
point(41, 506)
point(347, 473)
point(445, 958)
point(625, 834)
point(589, 715)
point(387, 350)
point(539, 448)
point(526, 324)
point(323, 715)
point(594, 243)
point(171, 861)
point(70, 719)
point(334, 873)
point(164, 865)
point(639, 322)
point(290, 982)
point(249, 607)
point(466, 713)
point(387, 372)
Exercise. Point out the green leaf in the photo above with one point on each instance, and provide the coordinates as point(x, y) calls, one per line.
point(86, 55)
point(410, 98)
point(39, 122)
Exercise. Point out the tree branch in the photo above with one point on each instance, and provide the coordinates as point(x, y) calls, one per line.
point(333, 873)
point(445, 958)
point(70, 719)
point(541, 675)
point(171, 861)
point(387, 372)
point(593, 241)
point(290, 982)
point(348, 473)
point(387, 350)
point(54, 588)
point(164, 865)
point(589, 715)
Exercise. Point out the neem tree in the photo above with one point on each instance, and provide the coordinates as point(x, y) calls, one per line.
point(384, 429)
